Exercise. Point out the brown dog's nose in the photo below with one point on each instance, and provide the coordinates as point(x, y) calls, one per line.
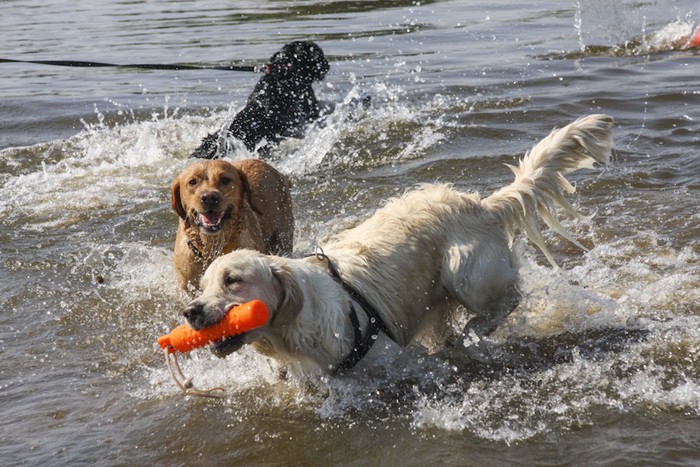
point(210, 199)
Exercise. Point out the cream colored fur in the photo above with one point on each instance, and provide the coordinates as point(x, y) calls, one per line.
point(420, 253)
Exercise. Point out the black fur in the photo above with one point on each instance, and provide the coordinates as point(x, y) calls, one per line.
point(281, 105)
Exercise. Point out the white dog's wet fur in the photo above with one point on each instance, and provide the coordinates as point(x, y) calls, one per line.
point(416, 257)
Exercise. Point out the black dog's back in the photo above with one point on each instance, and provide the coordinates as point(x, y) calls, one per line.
point(282, 103)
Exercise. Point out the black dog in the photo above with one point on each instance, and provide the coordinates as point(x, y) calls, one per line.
point(281, 105)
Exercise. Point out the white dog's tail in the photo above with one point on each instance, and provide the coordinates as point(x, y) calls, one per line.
point(539, 178)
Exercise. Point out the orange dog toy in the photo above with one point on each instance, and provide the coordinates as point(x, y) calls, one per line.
point(239, 319)
point(694, 40)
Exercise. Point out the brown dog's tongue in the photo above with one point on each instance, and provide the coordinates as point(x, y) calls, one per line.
point(211, 217)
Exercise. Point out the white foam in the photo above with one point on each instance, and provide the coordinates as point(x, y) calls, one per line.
point(325, 144)
point(626, 283)
point(240, 374)
point(636, 28)
point(618, 286)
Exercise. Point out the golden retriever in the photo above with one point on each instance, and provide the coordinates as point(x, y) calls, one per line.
point(225, 206)
point(415, 258)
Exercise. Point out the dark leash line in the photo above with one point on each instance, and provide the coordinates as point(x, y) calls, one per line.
point(141, 66)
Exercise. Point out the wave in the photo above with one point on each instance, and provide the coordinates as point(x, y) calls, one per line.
point(606, 337)
point(616, 331)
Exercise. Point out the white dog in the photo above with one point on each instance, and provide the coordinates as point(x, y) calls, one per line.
point(412, 259)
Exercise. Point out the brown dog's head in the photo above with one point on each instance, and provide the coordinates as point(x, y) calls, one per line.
point(208, 194)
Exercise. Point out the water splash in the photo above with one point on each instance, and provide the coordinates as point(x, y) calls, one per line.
point(574, 350)
point(631, 28)
point(353, 135)
point(617, 331)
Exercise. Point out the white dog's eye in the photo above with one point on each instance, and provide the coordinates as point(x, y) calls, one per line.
point(231, 279)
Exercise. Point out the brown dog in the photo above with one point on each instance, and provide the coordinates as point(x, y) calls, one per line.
point(226, 206)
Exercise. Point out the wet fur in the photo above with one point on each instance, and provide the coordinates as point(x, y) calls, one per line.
point(418, 256)
point(281, 105)
point(257, 212)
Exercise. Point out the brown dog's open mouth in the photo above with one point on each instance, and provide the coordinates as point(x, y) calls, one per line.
point(211, 221)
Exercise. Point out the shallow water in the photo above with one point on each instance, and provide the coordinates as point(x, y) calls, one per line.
point(600, 363)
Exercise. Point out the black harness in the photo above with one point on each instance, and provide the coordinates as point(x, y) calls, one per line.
point(376, 324)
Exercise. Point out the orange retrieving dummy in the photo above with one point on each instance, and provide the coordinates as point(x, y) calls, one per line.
point(239, 319)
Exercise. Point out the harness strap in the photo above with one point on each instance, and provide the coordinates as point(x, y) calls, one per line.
point(362, 345)
point(359, 298)
point(376, 324)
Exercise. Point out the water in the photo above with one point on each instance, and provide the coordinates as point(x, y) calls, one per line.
point(600, 364)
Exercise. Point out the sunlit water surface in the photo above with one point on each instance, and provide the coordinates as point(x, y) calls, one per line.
point(600, 363)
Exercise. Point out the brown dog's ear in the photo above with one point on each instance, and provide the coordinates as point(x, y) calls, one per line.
point(292, 296)
point(176, 201)
point(248, 193)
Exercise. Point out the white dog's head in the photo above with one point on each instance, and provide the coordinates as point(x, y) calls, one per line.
point(239, 277)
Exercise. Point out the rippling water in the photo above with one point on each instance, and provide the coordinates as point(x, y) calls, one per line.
point(600, 364)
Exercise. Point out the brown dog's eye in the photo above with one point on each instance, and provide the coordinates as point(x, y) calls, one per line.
point(225, 181)
point(192, 182)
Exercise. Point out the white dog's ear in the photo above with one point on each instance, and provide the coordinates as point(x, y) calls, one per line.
point(291, 295)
